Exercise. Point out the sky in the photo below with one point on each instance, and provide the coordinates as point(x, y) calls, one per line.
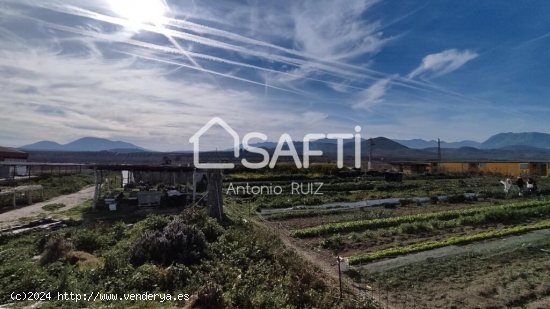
point(153, 72)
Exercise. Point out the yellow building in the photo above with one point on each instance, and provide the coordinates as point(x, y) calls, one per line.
point(502, 168)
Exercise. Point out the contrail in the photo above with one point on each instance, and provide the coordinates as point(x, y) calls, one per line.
point(317, 64)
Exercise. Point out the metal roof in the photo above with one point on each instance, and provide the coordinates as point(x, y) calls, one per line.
point(11, 153)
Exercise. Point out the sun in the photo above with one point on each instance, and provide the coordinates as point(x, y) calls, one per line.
point(140, 12)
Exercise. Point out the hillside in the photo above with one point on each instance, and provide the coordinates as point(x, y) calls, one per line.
point(422, 144)
point(532, 139)
point(85, 144)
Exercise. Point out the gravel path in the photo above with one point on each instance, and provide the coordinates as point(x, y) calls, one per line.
point(11, 217)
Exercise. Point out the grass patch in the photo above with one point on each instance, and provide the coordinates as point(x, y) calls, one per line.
point(53, 207)
point(54, 186)
point(77, 212)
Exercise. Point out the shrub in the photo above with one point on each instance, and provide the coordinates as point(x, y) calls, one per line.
point(146, 277)
point(176, 243)
point(333, 243)
point(155, 222)
point(211, 229)
point(210, 296)
point(56, 249)
point(87, 240)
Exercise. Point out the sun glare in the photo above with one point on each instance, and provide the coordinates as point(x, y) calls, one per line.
point(140, 12)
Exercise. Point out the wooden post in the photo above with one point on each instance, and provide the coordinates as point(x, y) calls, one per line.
point(14, 199)
point(215, 194)
point(194, 186)
point(340, 277)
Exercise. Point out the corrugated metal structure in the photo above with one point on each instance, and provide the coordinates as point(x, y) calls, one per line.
point(12, 155)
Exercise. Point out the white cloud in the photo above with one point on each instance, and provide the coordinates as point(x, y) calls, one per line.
point(314, 117)
point(47, 95)
point(373, 95)
point(333, 30)
point(444, 62)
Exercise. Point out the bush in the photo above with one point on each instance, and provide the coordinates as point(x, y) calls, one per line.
point(211, 229)
point(146, 277)
point(333, 243)
point(176, 243)
point(56, 249)
point(155, 222)
point(86, 240)
point(210, 296)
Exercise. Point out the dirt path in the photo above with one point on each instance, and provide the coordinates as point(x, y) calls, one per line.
point(71, 200)
point(329, 271)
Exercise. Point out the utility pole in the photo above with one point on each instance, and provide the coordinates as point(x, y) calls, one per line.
point(438, 150)
point(438, 155)
point(371, 144)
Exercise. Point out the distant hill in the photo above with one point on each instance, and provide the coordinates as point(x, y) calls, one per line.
point(422, 144)
point(43, 145)
point(531, 139)
point(85, 144)
point(508, 141)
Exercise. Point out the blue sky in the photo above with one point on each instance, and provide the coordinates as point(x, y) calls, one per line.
point(153, 72)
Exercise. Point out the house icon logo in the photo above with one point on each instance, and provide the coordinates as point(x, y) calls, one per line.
point(196, 145)
point(270, 159)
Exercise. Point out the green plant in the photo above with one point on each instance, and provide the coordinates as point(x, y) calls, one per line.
point(361, 225)
point(176, 243)
point(52, 207)
point(56, 249)
point(455, 240)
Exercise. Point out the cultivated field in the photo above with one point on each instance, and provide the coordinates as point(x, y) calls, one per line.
point(428, 241)
point(402, 244)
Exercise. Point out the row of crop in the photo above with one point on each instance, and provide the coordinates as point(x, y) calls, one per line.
point(361, 225)
point(455, 240)
point(338, 241)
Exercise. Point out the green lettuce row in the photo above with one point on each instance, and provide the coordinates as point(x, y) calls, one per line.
point(455, 240)
point(361, 225)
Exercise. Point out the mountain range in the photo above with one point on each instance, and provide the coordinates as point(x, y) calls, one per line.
point(86, 144)
point(498, 141)
point(422, 144)
point(503, 146)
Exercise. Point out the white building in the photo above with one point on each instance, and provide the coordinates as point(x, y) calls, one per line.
point(10, 155)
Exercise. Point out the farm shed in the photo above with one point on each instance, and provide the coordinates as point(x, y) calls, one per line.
point(10, 155)
point(152, 182)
